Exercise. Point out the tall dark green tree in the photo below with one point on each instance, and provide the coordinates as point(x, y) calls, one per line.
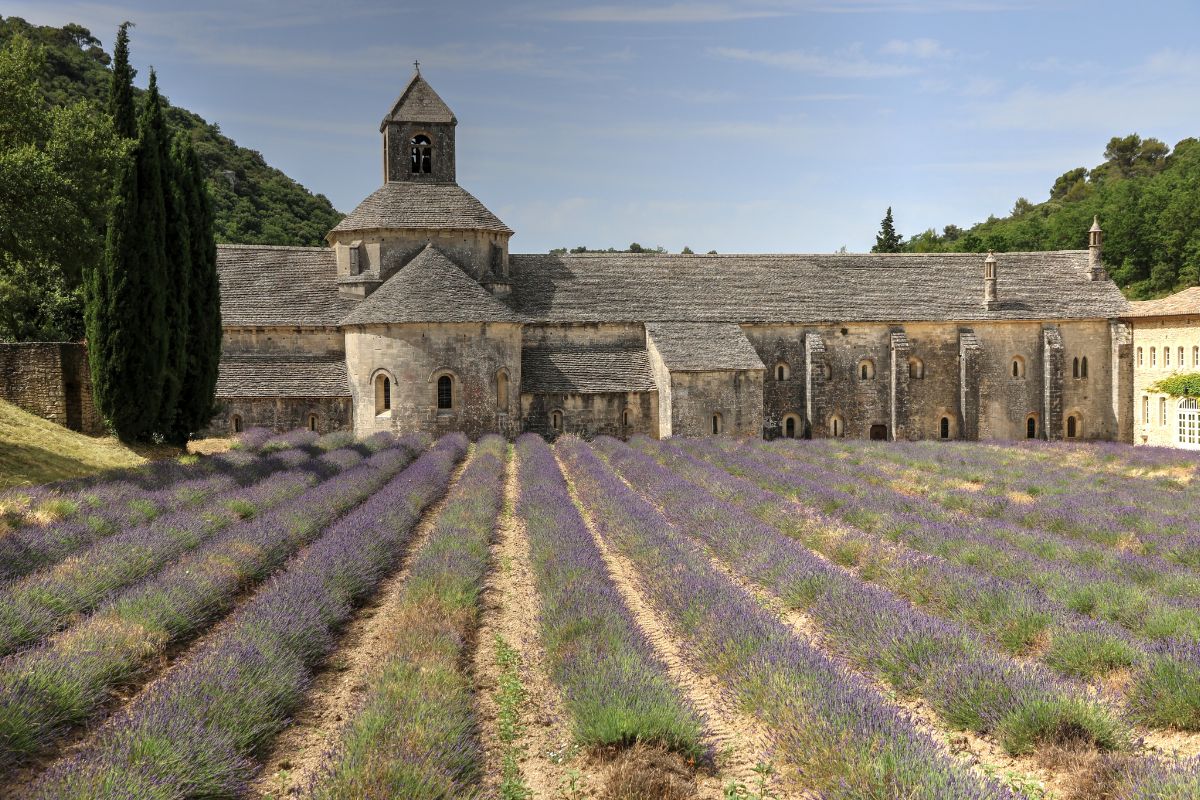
point(196, 399)
point(126, 298)
point(120, 94)
point(887, 240)
point(176, 265)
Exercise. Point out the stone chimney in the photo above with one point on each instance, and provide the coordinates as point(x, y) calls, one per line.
point(990, 299)
point(1096, 251)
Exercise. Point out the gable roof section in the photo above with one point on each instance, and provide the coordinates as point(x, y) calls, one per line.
point(703, 346)
point(623, 287)
point(581, 369)
point(282, 375)
point(411, 204)
point(419, 103)
point(430, 288)
point(263, 286)
point(1180, 304)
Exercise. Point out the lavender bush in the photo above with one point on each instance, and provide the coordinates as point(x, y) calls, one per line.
point(840, 736)
point(48, 689)
point(414, 735)
point(614, 686)
point(194, 733)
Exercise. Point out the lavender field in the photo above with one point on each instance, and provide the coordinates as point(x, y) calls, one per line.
point(316, 617)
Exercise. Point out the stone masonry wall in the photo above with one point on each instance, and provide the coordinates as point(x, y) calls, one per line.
point(593, 414)
point(281, 414)
point(52, 381)
point(415, 356)
point(737, 395)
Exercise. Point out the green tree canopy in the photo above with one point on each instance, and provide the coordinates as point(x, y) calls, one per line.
point(887, 240)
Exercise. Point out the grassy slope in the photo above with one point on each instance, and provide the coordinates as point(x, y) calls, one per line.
point(34, 450)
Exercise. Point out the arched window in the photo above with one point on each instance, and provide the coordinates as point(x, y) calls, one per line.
point(445, 393)
point(944, 428)
point(556, 421)
point(1140, 360)
point(827, 372)
point(1075, 368)
point(1018, 367)
point(791, 424)
point(1189, 423)
point(782, 373)
point(502, 391)
point(716, 424)
point(866, 370)
point(235, 422)
point(1072, 427)
point(312, 422)
point(1083, 367)
point(837, 426)
point(422, 154)
point(1031, 426)
point(916, 369)
point(383, 394)
point(625, 418)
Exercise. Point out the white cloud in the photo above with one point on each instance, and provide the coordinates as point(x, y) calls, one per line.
point(916, 48)
point(848, 63)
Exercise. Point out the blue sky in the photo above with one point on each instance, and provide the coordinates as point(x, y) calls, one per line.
point(772, 126)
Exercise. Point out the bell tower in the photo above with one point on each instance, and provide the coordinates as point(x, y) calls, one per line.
point(418, 136)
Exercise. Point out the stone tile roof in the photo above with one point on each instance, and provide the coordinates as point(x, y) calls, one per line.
point(430, 288)
point(613, 287)
point(282, 375)
point(262, 285)
point(419, 103)
point(1180, 304)
point(569, 369)
point(703, 346)
point(412, 204)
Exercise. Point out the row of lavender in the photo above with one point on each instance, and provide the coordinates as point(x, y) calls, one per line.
point(841, 738)
point(195, 732)
point(961, 577)
point(48, 689)
point(964, 680)
point(35, 606)
point(1161, 692)
point(61, 521)
point(614, 686)
point(414, 733)
point(1147, 596)
point(1111, 509)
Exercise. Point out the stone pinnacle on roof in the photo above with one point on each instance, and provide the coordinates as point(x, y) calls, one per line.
point(419, 103)
point(1095, 224)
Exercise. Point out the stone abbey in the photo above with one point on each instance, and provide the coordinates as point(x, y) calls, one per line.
point(417, 317)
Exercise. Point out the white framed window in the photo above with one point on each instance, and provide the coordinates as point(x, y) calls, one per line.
point(1154, 356)
point(1162, 411)
point(1145, 409)
point(1189, 423)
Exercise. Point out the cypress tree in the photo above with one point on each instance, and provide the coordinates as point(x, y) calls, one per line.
point(125, 305)
point(176, 266)
point(196, 400)
point(120, 93)
point(887, 240)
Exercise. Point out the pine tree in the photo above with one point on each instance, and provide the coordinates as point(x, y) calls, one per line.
point(176, 266)
point(124, 315)
point(887, 240)
point(196, 400)
point(120, 94)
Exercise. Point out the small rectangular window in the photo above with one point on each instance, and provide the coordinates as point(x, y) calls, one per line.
point(1162, 411)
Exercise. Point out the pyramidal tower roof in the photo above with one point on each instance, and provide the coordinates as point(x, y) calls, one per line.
point(419, 103)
